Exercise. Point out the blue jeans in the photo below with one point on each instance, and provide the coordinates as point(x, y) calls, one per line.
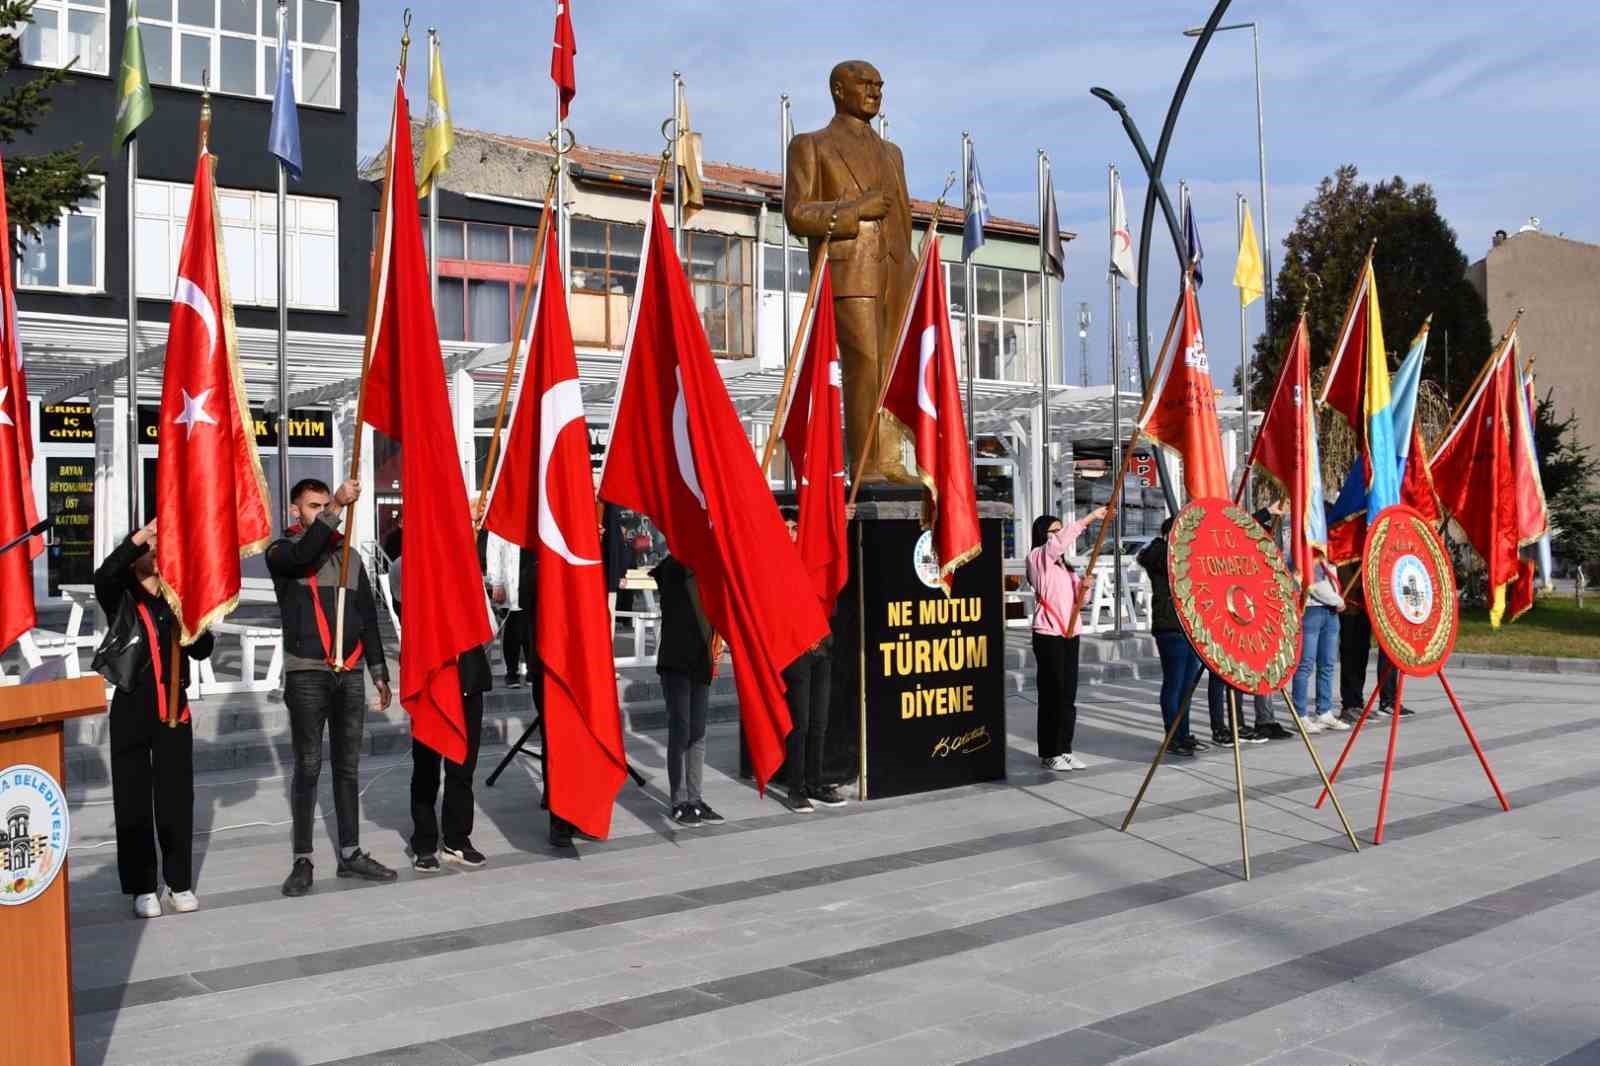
point(1319, 652)
point(1180, 669)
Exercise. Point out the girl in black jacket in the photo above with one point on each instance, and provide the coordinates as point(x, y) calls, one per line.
point(684, 661)
point(152, 763)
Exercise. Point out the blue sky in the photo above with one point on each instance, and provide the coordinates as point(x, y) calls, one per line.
point(1491, 103)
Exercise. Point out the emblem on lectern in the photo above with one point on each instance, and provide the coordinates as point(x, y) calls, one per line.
point(34, 830)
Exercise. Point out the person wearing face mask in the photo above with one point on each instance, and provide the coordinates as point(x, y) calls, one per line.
point(152, 760)
point(1055, 587)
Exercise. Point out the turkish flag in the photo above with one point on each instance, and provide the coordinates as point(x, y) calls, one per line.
point(211, 500)
point(1180, 410)
point(562, 52)
point(543, 500)
point(1286, 451)
point(813, 433)
point(924, 396)
point(406, 400)
point(1416, 480)
point(16, 499)
point(679, 454)
point(14, 401)
point(1487, 477)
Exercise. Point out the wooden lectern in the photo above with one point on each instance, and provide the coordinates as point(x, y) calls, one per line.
point(37, 934)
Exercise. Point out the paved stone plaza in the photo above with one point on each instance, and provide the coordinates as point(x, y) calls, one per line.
point(1006, 923)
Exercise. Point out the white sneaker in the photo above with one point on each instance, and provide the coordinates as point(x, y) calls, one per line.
point(1076, 763)
point(1331, 722)
point(146, 905)
point(1059, 763)
point(183, 902)
point(1312, 723)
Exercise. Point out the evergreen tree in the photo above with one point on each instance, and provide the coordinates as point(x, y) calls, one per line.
point(1420, 268)
point(38, 186)
point(1571, 477)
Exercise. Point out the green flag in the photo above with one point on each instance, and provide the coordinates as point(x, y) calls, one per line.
point(134, 102)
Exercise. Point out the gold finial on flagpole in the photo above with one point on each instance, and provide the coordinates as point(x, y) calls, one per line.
point(405, 41)
point(205, 111)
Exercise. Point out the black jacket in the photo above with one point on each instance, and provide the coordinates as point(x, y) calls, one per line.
point(124, 654)
point(292, 560)
point(1163, 613)
point(615, 553)
point(685, 633)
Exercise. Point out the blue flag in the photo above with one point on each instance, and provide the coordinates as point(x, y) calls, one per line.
point(283, 138)
point(1191, 238)
point(977, 212)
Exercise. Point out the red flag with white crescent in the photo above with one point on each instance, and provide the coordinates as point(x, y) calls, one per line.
point(211, 500)
point(924, 396)
point(18, 512)
point(813, 432)
point(1181, 406)
point(563, 50)
point(543, 500)
point(679, 454)
point(407, 401)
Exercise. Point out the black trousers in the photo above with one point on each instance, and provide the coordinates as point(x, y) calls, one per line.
point(516, 644)
point(457, 809)
point(316, 698)
point(152, 794)
point(1057, 661)
point(808, 695)
point(1355, 646)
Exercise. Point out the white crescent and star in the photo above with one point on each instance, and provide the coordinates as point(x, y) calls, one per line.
point(5, 419)
point(681, 449)
point(561, 404)
point(194, 411)
point(924, 369)
point(193, 296)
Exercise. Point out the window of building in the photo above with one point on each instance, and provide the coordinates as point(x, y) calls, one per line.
point(68, 31)
point(70, 255)
point(1006, 320)
point(799, 268)
point(719, 270)
point(605, 271)
point(482, 267)
point(237, 42)
point(250, 238)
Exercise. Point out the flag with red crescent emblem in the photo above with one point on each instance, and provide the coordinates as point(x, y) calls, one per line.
point(18, 512)
point(679, 454)
point(924, 397)
point(543, 500)
point(563, 50)
point(407, 401)
point(211, 500)
point(1180, 410)
point(813, 432)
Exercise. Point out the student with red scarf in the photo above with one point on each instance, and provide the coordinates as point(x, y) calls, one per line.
point(1055, 588)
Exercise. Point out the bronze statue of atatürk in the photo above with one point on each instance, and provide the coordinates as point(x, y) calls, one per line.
point(849, 184)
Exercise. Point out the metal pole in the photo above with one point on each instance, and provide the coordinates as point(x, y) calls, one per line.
point(563, 220)
point(433, 202)
point(1244, 365)
point(972, 296)
point(283, 309)
point(1084, 320)
point(677, 174)
point(1044, 339)
point(135, 502)
point(1116, 387)
point(783, 170)
point(1266, 211)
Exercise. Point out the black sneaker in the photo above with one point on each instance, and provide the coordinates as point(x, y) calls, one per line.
point(1350, 715)
point(465, 855)
point(798, 802)
point(513, 682)
point(1178, 749)
point(707, 815)
point(1247, 735)
point(427, 864)
point(1406, 712)
point(827, 795)
point(1222, 738)
point(298, 883)
point(1273, 731)
point(687, 816)
point(365, 867)
point(1191, 744)
point(560, 833)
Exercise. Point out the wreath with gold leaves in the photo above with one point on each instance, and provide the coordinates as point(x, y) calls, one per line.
point(1399, 649)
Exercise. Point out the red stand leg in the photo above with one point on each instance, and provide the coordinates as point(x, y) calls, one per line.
point(1473, 739)
point(1388, 761)
point(1351, 743)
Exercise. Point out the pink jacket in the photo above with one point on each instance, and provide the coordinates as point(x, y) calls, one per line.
point(1054, 586)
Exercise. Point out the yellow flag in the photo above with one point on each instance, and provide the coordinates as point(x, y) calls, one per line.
point(438, 135)
point(694, 194)
point(1248, 276)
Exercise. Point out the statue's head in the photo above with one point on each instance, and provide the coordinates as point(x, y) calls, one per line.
point(857, 89)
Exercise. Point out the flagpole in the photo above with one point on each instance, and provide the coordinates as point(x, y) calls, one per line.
point(677, 172)
point(1113, 299)
point(433, 196)
point(807, 314)
point(1042, 162)
point(783, 171)
point(534, 279)
point(971, 286)
point(135, 502)
point(563, 222)
point(283, 306)
point(1243, 447)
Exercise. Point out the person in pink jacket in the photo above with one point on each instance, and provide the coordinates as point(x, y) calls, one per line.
point(1055, 588)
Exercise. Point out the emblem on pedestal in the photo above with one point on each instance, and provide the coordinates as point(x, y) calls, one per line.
point(34, 830)
point(1411, 591)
